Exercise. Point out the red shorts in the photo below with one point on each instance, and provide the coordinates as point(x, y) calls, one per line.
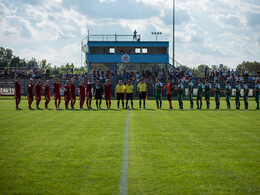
point(67, 97)
point(89, 95)
point(81, 98)
point(38, 97)
point(29, 96)
point(73, 96)
point(17, 96)
point(47, 97)
point(57, 96)
point(108, 96)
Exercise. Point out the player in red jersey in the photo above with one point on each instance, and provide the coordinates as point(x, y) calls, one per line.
point(82, 94)
point(30, 92)
point(107, 87)
point(169, 88)
point(89, 93)
point(47, 93)
point(18, 91)
point(38, 97)
point(73, 93)
point(67, 94)
point(56, 90)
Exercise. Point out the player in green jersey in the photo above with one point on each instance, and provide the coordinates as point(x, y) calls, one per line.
point(228, 94)
point(256, 91)
point(200, 94)
point(217, 94)
point(190, 93)
point(158, 93)
point(180, 89)
point(237, 95)
point(246, 90)
point(207, 93)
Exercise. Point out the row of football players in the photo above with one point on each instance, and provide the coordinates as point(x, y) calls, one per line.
point(126, 92)
point(206, 89)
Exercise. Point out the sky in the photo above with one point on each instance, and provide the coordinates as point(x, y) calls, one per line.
point(208, 32)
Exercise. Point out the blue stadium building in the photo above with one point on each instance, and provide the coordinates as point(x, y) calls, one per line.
point(128, 52)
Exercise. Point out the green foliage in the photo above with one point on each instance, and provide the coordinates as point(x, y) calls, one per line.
point(248, 66)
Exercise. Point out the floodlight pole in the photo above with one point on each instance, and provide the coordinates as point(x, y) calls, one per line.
point(173, 34)
point(156, 34)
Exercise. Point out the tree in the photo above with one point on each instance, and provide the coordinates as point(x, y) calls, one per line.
point(248, 66)
point(15, 62)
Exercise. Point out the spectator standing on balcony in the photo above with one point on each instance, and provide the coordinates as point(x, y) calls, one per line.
point(135, 35)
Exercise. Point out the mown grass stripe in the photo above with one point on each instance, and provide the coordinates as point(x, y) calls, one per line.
point(124, 169)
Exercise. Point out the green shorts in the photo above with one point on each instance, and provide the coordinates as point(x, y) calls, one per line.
point(207, 97)
point(217, 97)
point(199, 97)
point(237, 98)
point(227, 97)
point(180, 97)
point(158, 96)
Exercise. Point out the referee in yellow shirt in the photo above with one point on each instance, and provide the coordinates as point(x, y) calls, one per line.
point(142, 89)
point(120, 93)
point(129, 93)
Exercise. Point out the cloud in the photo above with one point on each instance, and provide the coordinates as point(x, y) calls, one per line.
point(253, 19)
point(14, 25)
point(206, 31)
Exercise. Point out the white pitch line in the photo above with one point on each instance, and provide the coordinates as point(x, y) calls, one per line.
point(124, 169)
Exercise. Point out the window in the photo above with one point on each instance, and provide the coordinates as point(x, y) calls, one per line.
point(137, 50)
point(144, 50)
point(111, 50)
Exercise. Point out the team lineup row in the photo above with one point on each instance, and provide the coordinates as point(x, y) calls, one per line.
point(126, 93)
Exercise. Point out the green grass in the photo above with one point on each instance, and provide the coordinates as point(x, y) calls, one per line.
point(170, 152)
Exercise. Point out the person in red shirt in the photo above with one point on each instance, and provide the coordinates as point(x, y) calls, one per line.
point(38, 97)
point(56, 91)
point(169, 88)
point(107, 87)
point(82, 94)
point(73, 93)
point(18, 91)
point(89, 93)
point(30, 92)
point(47, 93)
point(67, 94)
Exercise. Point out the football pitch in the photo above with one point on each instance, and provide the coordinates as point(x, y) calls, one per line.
point(136, 152)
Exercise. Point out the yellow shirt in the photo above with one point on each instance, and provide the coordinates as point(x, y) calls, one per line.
point(142, 87)
point(129, 88)
point(120, 88)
